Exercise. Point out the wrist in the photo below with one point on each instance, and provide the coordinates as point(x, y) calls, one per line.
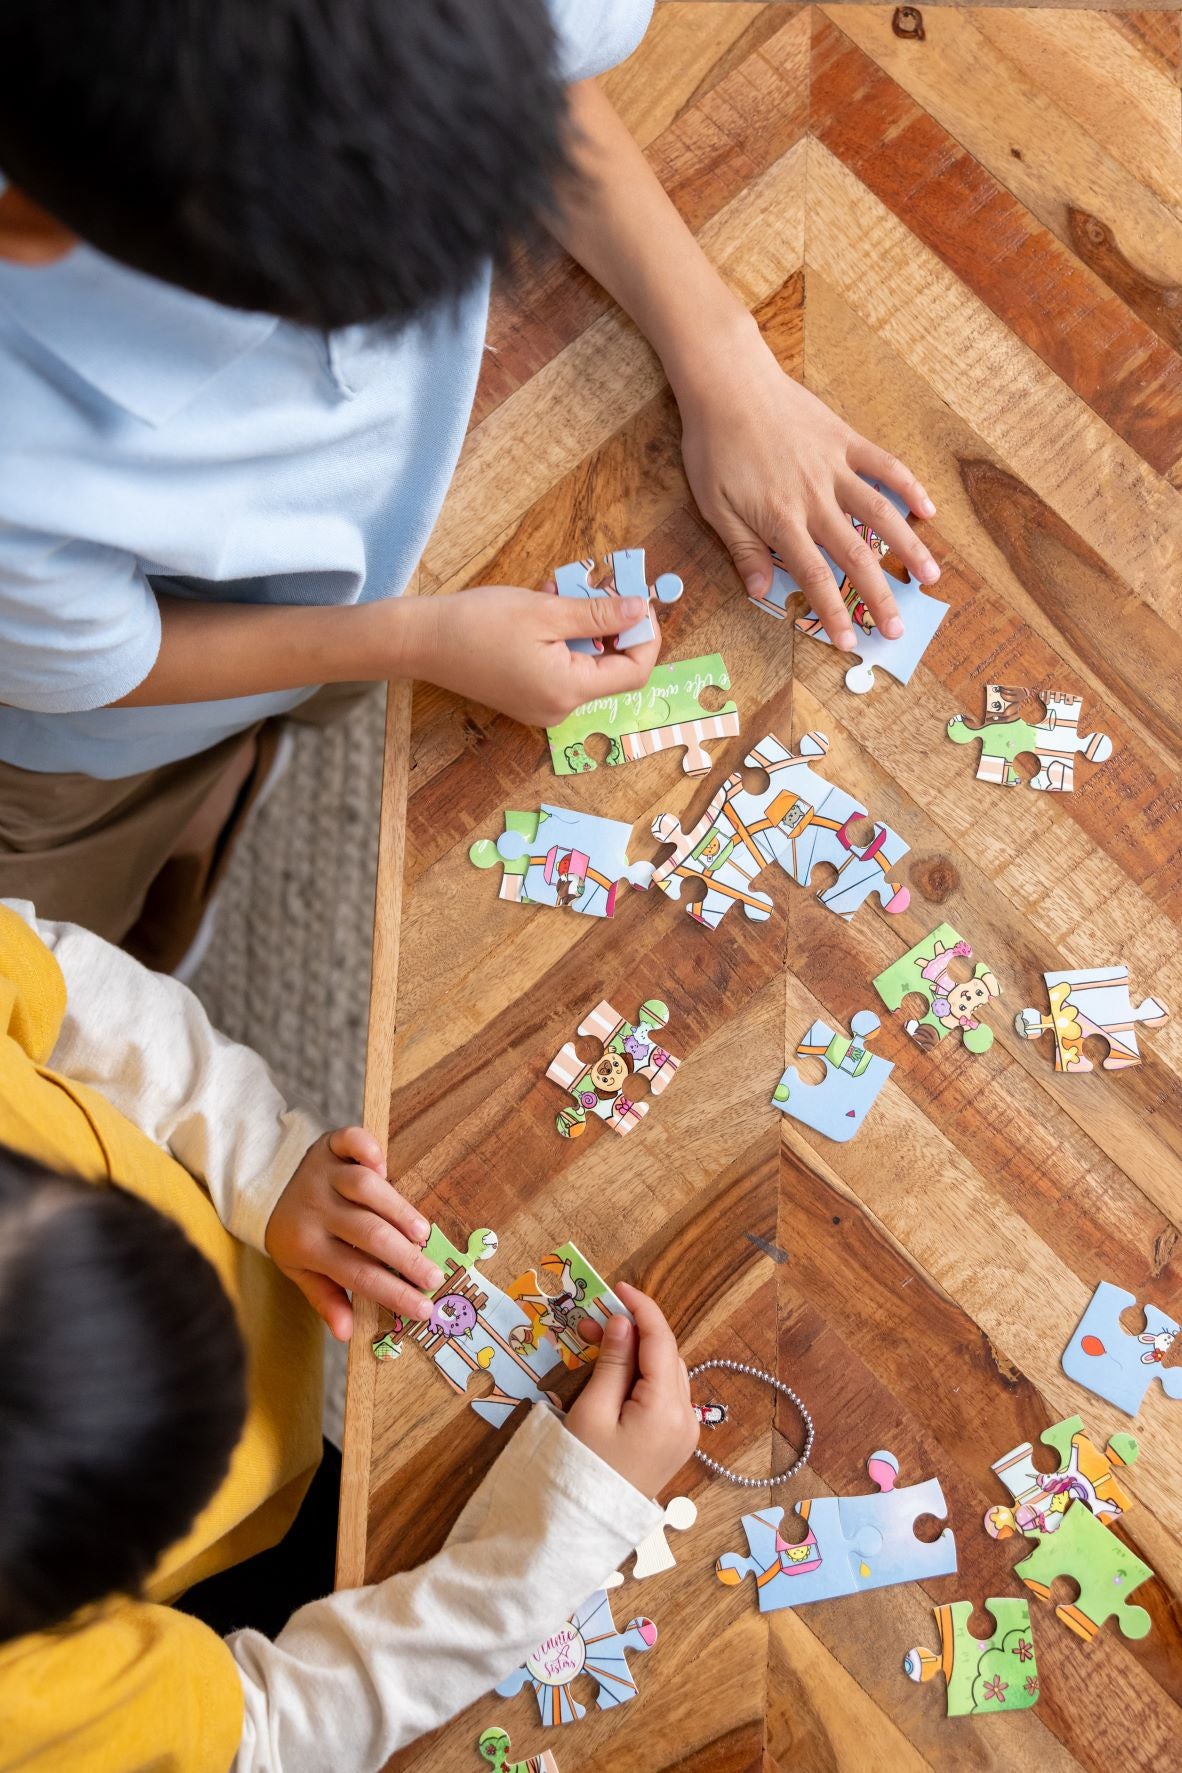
point(700, 365)
point(409, 641)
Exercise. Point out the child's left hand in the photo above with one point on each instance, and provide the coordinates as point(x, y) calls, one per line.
point(339, 1224)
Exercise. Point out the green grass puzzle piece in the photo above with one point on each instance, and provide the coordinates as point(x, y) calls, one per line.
point(669, 699)
point(984, 1675)
point(1106, 1570)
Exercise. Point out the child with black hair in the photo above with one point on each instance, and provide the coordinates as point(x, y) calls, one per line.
point(241, 319)
point(160, 1405)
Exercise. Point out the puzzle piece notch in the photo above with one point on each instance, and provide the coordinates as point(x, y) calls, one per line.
point(853, 1079)
point(799, 820)
point(1055, 739)
point(1101, 1563)
point(852, 1543)
point(665, 713)
point(921, 613)
point(952, 1004)
point(983, 1675)
point(627, 579)
point(575, 1317)
point(495, 1747)
point(1091, 1001)
point(588, 1641)
point(628, 1050)
point(1120, 1368)
point(1086, 1476)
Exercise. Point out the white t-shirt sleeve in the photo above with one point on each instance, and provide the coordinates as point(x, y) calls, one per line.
point(79, 624)
point(594, 35)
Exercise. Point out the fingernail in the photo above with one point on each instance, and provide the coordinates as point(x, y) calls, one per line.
point(617, 1329)
point(929, 572)
point(420, 1230)
point(892, 628)
point(926, 508)
point(845, 641)
point(756, 583)
point(434, 1276)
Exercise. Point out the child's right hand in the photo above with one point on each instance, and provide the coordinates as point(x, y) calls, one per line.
point(506, 647)
point(635, 1409)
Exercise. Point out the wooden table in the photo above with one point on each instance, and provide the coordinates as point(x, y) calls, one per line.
point(970, 246)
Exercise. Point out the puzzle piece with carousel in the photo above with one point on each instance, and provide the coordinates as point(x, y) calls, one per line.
point(665, 713)
point(1092, 1001)
point(1115, 1365)
point(627, 579)
point(952, 1003)
point(590, 1643)
point(598, 1088)
point(495, 1746)
point(983, 1675)
point(576, 1316)
point(1087, 1477)
point(853, 1079)
point(921, 613)
point(561, 857)
point(852, 1543)
point(799, 821)
point(1055, 739)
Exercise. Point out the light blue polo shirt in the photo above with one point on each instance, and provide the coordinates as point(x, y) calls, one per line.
point(152, 439)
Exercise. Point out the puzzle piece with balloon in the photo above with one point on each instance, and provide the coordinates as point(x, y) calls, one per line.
point(602, 1088)
point(983, 1675)
point(1055, 739)
point(798, 821)
point(562, 858)
point(587, 1643)
point(853, 1081)
point(1117, 1366)
point(627, 577)
point(666, 714)
point(851, 1543)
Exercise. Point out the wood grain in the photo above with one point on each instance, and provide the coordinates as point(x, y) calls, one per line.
point(969, 245)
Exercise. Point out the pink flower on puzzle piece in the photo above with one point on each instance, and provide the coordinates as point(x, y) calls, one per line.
point(1024, 1650)
point(996, 1688)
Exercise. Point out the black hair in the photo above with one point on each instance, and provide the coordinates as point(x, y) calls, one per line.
point(329, 161)
point(122, 1391)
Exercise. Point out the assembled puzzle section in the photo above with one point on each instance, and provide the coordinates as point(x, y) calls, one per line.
point(925, 970)
point(853, 1081)
point(983, 1675)
point(475, 1328)
point(852, 1543)
point(1116, 1366)
point(599, 1088)
point(1106, 1571)
point(666, 713)
point(799, 821)
point(587, 1643)
point(495, 1747)
point(628, 578)
point(1086, 1477)
point(575, 1317)
point(560, 857)
point(921, 613)
point(1055, 739)
point(1092, 1001)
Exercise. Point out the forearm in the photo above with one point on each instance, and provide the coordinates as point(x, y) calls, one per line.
point(212, 651)
point(623, 228)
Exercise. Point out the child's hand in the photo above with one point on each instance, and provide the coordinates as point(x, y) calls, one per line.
point(506, 647)
point(770, 464)
point(340, 1224)
point(635, 1409)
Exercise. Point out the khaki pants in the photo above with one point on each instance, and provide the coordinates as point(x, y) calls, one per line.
point(87, 851)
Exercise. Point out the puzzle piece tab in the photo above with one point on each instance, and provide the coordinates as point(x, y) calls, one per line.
point(665, 713)
point(629, 1050)
point(1092, 1001)
point(924, 969)
point(1106, 1570)
point(853, 1080)
point(921, 613)
point(495, 1747)
point(588, 1641)
point(576, 1316)
point(628, 579)
point(1116, 1366)
point(983, 1674)
point(1055, 739)
point(852, 1543)
point(799, 820)
point(1085, 1476)
point(561, 857)
point(653, 1555)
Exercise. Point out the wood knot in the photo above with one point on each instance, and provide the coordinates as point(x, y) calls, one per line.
point(908, 22)
point(935, 877)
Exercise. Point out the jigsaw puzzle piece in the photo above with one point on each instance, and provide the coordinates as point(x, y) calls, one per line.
point(630, 580)
point(573, 580)
point(715, 851)
point(1091, 1001)
point(1105, 1569)
point(512, 849)
point(1006, 734)
point(1085, 1476)
point(880, 1530)
point(667, 712)
point(1114, 1365)
point(575, 1317)
point(788, 1575)
point(852, 1084)
point(629, 1050)
point(924, 969)
point(495, 1747)
point(1058, 741)
point(587, 1642)
point(983, 1675)
point(653, 1554)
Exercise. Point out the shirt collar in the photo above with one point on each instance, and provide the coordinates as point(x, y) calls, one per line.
point(143, 344)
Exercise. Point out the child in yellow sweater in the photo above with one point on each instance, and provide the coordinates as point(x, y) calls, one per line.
point(160, 1402)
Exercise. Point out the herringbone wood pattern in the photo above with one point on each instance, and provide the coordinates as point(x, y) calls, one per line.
point(970, 245)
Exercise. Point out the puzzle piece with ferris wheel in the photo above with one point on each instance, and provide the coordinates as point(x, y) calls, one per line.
point(920, 612)
point(628, 579)
point(562, 857)
point(588, 1643)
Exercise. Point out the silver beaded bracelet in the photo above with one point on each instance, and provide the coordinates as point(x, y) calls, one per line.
point(734, 1477)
